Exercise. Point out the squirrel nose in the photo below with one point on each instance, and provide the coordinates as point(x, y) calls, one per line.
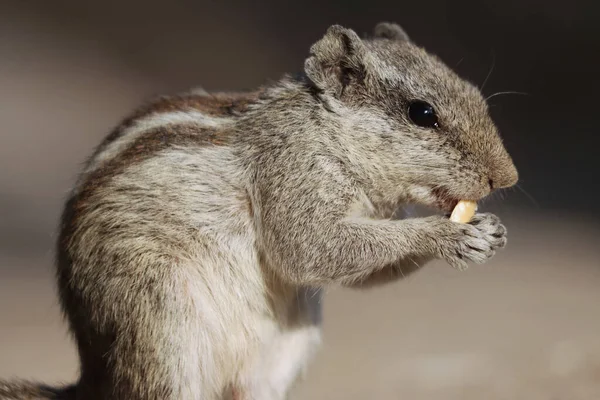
point(503, 179)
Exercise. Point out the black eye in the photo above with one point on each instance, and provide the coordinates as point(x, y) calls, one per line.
point(423, 114)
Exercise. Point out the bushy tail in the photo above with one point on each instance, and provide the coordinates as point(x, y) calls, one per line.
point(24, 390)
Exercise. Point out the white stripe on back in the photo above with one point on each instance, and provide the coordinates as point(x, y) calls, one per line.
point(150, 122)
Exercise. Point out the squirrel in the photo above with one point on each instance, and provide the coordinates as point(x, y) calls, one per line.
point(196, 243)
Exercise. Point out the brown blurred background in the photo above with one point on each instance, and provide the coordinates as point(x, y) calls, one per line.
point(525, 326)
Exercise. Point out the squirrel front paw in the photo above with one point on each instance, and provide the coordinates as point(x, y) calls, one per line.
point(476, 241)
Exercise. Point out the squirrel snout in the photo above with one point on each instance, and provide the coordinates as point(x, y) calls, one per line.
point(500, 179)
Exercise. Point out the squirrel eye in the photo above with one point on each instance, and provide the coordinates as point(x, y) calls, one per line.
point(423, 114)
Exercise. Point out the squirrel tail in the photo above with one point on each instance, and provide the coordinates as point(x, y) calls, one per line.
point(25, 390)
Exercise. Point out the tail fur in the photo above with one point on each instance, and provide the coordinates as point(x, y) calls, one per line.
point(25, 390)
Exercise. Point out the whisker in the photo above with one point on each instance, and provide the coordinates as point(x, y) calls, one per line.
point(530, 197)
point(497, 195)
point(502, 195)
point(490, 71)
point(506, 92)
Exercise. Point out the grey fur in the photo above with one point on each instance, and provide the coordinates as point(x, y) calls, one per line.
point(194, 248)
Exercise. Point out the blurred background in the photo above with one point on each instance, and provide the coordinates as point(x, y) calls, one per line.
point(524, 326)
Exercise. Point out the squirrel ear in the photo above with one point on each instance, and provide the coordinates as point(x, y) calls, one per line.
point(335, 59)
point(389, 30)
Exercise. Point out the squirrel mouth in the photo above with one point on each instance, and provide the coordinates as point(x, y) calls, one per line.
point(444, 201)
point(441, 201)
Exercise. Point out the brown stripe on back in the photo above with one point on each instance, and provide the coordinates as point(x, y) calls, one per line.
point(145, 147)
point(156, 140)
point(214, 105)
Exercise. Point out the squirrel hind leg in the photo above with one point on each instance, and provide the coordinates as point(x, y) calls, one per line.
point(163, 350)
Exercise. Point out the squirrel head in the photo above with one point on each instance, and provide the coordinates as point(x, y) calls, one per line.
point(410, 127)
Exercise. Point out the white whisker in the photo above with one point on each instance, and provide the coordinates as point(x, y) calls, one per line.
point(507, 92)
point(530, 197)
point(490, 71)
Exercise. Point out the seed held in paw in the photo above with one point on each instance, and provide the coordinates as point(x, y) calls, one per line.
point(464, 211)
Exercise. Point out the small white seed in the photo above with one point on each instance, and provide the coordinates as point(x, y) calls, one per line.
point(464, 211)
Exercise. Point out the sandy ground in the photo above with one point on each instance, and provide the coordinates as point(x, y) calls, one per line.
point(524, 326)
